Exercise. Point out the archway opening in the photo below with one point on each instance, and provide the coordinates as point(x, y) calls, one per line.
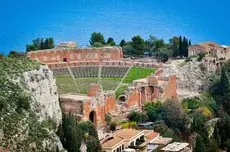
point(92, 117)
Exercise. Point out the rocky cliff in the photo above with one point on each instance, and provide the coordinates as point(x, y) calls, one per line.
point(29, 107)
point(192, 79)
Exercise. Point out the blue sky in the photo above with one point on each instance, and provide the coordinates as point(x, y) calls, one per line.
point(65, 20)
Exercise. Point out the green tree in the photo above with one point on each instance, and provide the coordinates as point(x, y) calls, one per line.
point(180, 46)
point(97, 38)
point(174, 45)
point(97, 44)
point(122, 43)
point(70, 134)
point(154, 111)
point(198, 123)
point(92, 145)
point(40, 44)
point(111, 42)
point(163, 54)
point(153, 44)
point(88, 128)
point(200, 146)
point(138, 45)
point(137, 116)
point(173, 114)
point(135, 47)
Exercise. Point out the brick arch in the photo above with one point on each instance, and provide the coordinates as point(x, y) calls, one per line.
point(93, 117)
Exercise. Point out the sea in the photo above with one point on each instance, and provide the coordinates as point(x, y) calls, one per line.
point(21, 21)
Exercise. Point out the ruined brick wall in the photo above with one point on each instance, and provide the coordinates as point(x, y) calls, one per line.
point(80, 54)
point(170, 90)
point(110, 104)
point(94, 89)
point(99, 113)
point(74, 107)
point(133, 99)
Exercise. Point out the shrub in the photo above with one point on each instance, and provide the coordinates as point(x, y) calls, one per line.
point(113, 126)
point(129, 125)
point(201, 56)
point(136, 116)
point(189, 59)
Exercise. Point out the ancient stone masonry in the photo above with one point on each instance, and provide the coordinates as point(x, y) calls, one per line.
point(77, 54)
point(153, 88)
point(93, 106)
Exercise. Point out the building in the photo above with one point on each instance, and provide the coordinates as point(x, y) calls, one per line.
point(113, 144)
point(220, 52)
point(93, 106)
point(67, 45)
point(122, 140)
point(150, 135)
point(177, 147)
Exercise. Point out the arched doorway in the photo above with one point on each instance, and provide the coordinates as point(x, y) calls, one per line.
point(92, 117)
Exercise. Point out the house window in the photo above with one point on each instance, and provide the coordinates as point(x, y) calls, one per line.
point(123, 147)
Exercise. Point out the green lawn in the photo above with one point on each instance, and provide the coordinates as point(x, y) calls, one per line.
point(138, 73)
point(121, 89)
point(66, 84)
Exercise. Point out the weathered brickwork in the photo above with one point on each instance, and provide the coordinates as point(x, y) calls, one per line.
point(93, 107)
point(78, 54)
point(152, 88)
point(97, 103)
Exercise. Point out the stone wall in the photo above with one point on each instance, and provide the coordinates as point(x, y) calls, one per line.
point(79, 54)
point(98, 103)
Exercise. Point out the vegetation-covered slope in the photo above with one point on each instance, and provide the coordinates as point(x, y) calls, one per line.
point(20, 128)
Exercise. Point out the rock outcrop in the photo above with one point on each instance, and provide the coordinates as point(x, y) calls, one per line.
point(192, 79)
point(29, 108)
point(44, 98)
point(43, 92)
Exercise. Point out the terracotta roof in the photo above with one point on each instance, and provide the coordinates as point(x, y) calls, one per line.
point(151, 134)
point(207, 44)
point(126, 133)
point(112, 142)
point(161, 141)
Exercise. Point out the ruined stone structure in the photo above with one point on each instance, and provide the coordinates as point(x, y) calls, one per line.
point(97, 103)
point(154, 87)
point(93, 106)
point(77, 54)
point(104, 62)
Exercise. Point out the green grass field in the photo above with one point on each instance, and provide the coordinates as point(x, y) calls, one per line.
point(138, 73)
point(134, 74)
point(66, 84)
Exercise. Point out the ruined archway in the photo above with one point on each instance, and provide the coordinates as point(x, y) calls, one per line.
point(92, 117)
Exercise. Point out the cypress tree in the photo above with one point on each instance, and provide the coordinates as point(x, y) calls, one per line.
point(200, 146)
point(70, 134)
point(189, 43)
point(180, 46)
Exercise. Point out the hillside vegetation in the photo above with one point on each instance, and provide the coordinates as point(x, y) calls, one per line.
point(20, 129)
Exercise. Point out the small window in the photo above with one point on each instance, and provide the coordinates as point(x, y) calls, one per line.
point(65, 59)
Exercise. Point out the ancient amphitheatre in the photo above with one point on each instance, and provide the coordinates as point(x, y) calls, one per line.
point(93, 82)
